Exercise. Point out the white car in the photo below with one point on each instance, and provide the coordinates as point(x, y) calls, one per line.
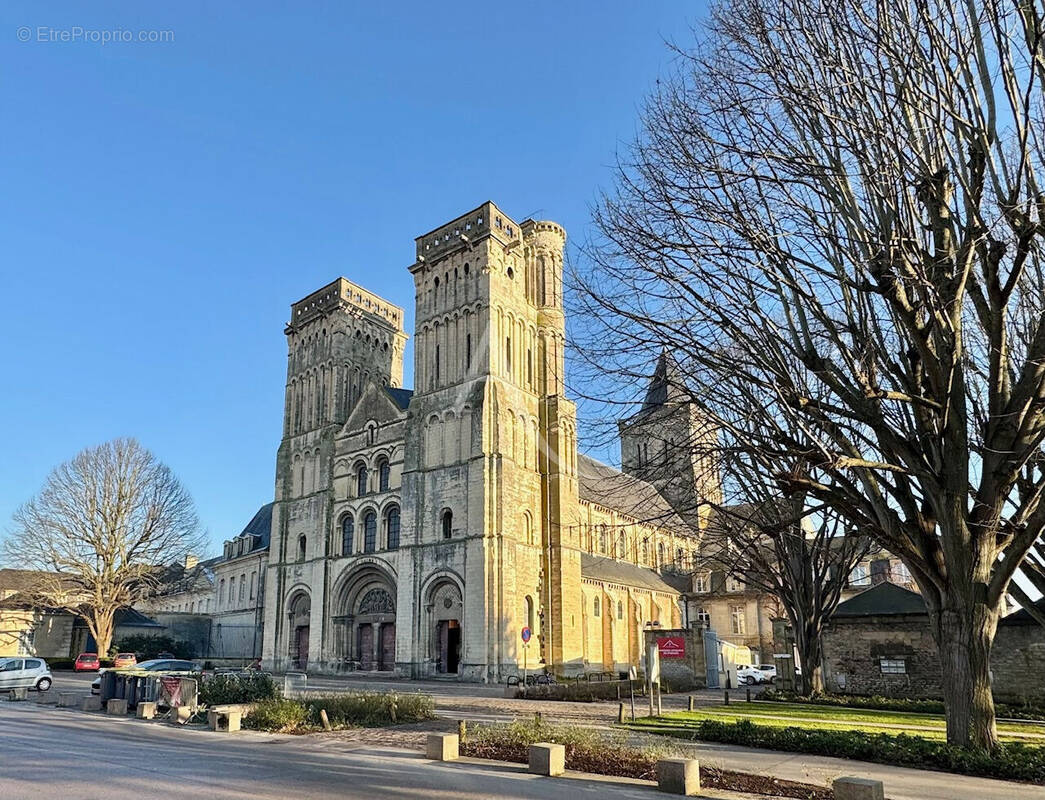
point(768, 672)
point(24, 673)
point(748, 674)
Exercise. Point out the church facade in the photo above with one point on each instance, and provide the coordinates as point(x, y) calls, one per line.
point(419, 532)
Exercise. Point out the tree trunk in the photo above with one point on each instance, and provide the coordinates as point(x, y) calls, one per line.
point(810, 653)
point(964, 637)
point(101, 626)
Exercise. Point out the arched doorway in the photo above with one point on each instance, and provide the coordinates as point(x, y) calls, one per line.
point(446, 612)
point(365, 627)
point(299, 617)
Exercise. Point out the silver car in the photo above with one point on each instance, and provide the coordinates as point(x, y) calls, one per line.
point(24, 673)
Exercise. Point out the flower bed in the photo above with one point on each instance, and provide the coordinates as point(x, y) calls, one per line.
point(349, 710)
point(589, 751)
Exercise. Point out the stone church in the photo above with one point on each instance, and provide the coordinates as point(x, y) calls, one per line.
point(420, 531)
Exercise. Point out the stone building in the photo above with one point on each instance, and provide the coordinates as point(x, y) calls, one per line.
point(420, 531)
point(879, 643)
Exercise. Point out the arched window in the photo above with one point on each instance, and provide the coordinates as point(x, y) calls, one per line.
point(392, 527)
point(622, 546)
point(383, 473)
point(348, 531)
point(370, 532)
point(530, 618)
point(645, 551)
point(302, 542)
point(527, 528)
point(620, 610)
point(448, 523)
point(598, 607)
point(242, 587)
point(232, 589)
point(603, 540)
point(660, 554)
point(361, 479)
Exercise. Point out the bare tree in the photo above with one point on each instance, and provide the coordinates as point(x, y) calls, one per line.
point(799, 553)
point(835, 212)
point(99, 530)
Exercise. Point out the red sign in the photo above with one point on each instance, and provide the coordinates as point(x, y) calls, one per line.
point(671, 646)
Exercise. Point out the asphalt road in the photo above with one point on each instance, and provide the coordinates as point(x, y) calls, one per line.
point(58, 754)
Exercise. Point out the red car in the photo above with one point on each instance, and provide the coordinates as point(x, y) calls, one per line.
point(86, 662)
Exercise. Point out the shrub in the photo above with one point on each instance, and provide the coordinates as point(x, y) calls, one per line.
point(278, 716)
point(1009, 762)
point(365, 709)
point(578, 692)
point(1028, 711)
point(371, 709)
point(588, 750)
point(237, 688)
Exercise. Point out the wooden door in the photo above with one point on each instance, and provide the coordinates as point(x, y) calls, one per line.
point(388, 646)
point(301, 642)
point(366, 647)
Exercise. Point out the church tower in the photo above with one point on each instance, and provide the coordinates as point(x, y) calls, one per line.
point(339, 338)
point(490, 445)
point(669, 444)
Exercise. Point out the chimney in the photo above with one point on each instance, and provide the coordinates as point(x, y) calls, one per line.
point(191, 560)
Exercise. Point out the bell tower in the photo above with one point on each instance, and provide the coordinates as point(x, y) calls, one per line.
point(491, 447)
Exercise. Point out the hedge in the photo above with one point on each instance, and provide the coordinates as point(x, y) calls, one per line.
point(1028, 711)
point(237, 688)
point(1011, 761)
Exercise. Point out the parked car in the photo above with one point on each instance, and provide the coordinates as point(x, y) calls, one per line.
point(86, 662)
point(768, 672)
point(169, 665)
point(124, 660)
point(748, 674)
point(25, 673)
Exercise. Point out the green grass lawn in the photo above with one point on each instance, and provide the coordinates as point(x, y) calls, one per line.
point(782, 715)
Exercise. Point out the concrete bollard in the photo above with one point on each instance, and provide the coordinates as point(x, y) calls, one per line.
point(116, 706)
point(224, 721)
point(749, 695)
point(858, 789)
point(91, 703)
point(442, 747)
point(69, 699)
point(679, 776)
point(725, 698)
point(19, 694)
point(146, 710)
point(46, 698)
point(620, 714)
point(182, 714)
point(547, 759)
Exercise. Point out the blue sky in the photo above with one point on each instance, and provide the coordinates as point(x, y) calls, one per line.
point(164, 203)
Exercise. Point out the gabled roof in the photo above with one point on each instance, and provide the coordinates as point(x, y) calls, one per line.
point(885, 599)
point(401, 397)
point(602, 484)
point(136, 619)
point(609, 570)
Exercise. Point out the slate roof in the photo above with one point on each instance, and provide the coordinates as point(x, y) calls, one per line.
point(401, 397)
point(18, 580)
point(609, 487)
point(260, 527)
point(136, 619)
point(884, 600)
point(609, 570)
point(666, 387)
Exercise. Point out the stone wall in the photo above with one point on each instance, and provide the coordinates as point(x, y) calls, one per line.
point(1018, 662)
point(854, 649)
point(685, 672)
